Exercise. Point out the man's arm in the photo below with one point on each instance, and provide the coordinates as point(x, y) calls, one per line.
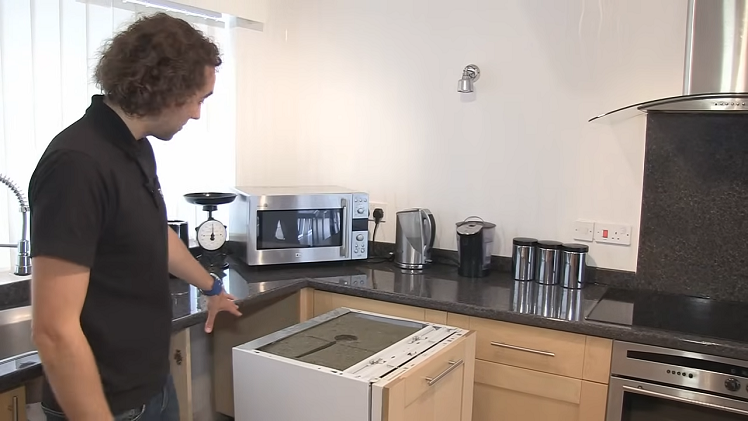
point(184, 266)
point(58, 290)
point(69, 204)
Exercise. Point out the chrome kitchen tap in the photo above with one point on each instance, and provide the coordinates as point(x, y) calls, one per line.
point(23, 263)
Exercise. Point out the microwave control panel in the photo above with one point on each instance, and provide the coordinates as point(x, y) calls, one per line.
point(360, 231)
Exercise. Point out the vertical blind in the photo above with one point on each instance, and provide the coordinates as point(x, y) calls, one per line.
point(48, 50)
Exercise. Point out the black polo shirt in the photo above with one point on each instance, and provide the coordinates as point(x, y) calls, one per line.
point(96, 201)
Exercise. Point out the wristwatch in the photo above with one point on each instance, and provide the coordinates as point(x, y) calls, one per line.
point(217, 286)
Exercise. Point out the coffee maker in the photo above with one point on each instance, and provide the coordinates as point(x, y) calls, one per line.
point(474, 247)
point(415, 230)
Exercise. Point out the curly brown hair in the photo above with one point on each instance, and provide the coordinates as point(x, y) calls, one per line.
point(159, 61)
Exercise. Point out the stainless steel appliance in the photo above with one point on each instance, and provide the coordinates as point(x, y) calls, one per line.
point(415, 230)
point(715, 78)
point(279, 225)
point(339, 366)
point(653, 383)
point(474, 247)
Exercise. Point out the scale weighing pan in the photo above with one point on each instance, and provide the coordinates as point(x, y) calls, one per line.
point(209, 198)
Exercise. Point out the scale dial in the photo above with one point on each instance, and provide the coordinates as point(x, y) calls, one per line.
point(211, 235)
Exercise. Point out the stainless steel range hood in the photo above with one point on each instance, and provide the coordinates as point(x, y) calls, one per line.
point(716, 64)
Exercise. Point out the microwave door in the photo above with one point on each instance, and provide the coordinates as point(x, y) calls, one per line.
point(305, 229)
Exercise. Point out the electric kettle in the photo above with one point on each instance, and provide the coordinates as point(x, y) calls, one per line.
point(415, 230)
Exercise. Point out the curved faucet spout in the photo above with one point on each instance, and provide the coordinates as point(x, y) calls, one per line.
point(23, 248)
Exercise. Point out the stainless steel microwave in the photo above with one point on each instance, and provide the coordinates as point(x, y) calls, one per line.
point(280, 225)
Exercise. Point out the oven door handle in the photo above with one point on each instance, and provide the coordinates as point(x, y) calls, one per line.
point(684, 400)
point(344, 249)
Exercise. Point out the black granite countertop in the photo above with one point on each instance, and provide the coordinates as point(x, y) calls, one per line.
point(439, 287)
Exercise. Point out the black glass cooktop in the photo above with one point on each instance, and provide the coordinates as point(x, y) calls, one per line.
point(675, 313)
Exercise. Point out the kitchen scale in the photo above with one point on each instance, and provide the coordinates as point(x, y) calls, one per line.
point(211, 234)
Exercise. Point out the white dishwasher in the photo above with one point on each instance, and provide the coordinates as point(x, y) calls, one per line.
point(333, 367)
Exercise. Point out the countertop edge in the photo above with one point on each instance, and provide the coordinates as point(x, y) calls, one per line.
point(646, 336)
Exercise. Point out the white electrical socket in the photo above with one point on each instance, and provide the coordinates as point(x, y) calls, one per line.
point(584, 230)
point(613, 234)
point(374, 205)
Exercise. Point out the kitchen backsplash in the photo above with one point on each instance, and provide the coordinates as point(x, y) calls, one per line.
point(695, 206)
point(377, 109)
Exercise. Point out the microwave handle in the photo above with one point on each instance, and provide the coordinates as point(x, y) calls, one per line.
point(346, 229)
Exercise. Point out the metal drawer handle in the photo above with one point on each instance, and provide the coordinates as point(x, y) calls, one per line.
point(684, 400)
point(15, 408)
point(452, 366)
point(519, 348)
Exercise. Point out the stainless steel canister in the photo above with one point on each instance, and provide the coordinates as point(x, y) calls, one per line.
point(548, 267)
point(573, 265)
point(523, 258)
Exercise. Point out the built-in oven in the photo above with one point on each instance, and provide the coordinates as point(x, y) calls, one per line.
point(280, 225)
point(651, 383)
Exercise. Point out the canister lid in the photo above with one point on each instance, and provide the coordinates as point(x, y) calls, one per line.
point(549, 244)
point(575, 247)
point(470, 227)
point(524, 241)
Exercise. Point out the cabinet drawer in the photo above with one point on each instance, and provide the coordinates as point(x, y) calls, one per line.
point(13, 404)
point(449, 362)
point(545, 350)
point(506, 393)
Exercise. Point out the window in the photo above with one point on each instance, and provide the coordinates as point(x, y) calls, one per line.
point(48, 50)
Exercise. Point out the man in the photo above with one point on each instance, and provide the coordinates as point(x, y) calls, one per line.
point(101, 246)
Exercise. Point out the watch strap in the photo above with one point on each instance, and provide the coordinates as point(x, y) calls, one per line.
point(217, 286)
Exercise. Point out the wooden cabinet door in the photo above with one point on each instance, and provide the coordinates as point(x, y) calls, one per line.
point(436, 386)
point(181, 371)
point(13, 405)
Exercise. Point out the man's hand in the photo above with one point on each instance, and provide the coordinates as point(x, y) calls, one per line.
point(186, 267)
point(218, 303)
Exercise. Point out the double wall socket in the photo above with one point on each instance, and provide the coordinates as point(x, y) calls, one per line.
point(602, 233)
point(380, 205)
point(613, 234)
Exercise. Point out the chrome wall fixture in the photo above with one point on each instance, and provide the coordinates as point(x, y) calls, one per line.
point(470, 75)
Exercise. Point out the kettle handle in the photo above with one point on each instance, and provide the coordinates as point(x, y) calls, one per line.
point(432, 231)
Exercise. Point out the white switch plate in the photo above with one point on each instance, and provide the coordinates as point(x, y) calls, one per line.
point(613, 234)
point(584, 230)
point(374, 205)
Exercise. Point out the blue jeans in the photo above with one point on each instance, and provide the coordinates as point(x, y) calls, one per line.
point(162, 407)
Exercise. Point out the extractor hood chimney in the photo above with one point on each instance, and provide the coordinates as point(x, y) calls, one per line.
point(716, 65)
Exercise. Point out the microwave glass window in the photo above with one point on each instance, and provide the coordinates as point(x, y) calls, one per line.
point(299, 229)
point(638, 407)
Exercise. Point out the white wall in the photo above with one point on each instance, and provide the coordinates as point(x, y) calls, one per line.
point(363, 93)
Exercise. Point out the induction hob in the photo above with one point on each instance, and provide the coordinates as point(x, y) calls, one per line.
point(676, 313)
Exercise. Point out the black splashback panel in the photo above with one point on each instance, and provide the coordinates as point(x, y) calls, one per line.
point(694, 224)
